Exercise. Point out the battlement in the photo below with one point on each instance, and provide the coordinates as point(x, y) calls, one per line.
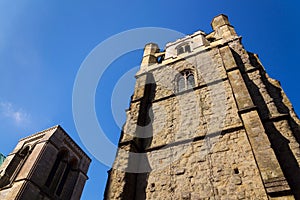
point(193, 43)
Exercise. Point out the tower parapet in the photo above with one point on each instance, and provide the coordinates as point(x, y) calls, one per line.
point(195, 43)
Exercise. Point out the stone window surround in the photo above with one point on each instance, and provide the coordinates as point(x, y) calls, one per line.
point(15, 166)
point(57, 178)
point(183, 48)
point(188, 78)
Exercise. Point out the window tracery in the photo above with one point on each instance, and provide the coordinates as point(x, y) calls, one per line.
point(185, 80)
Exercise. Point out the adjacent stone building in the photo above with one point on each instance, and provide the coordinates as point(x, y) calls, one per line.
point(206, 122)
point(48, 165)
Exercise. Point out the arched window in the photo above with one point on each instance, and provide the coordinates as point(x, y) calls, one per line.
point(190, 81)
point(180, 50)
point(68, 180)
point(59, 167)
point(24, 152)
point(185, 80)
point(62, 174)
point(183, 48)
point(181, 84)
point(187, 48)
point(63, 180)
point(8, 175)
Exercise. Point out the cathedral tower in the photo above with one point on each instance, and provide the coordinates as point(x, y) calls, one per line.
point(46, 165)
point(206, 122)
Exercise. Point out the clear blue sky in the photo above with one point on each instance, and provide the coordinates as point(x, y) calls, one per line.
point(43, 43)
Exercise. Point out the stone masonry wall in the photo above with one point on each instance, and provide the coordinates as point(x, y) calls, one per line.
point(234, 135)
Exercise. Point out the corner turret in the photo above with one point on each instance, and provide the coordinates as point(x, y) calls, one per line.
point(149, 56)
point(222, 28)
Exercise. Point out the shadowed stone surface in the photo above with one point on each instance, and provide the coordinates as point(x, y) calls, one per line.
point(46, 165)
point(233, 135)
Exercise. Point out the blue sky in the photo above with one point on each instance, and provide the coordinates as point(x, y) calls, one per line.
point(43, 43)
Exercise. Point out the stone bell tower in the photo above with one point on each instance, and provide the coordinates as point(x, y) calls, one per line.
point(46, 165)
point(206, 122)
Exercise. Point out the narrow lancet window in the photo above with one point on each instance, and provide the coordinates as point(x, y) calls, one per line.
point(181, 84)
point(190, 81)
